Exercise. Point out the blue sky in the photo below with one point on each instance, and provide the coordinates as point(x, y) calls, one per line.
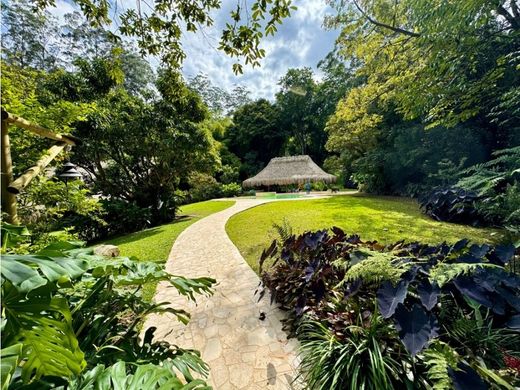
point(300, 41)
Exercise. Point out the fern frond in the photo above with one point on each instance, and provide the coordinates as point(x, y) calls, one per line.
point(442, 273)
point(376, 267)
point(284, 230)
point(437, 358)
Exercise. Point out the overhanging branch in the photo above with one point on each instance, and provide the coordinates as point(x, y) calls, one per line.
point(384, 25)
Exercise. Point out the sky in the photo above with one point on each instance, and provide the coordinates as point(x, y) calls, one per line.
point(300, 41)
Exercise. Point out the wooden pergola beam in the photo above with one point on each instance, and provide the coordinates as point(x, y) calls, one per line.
point(19, 184)
point(37, 129)
point(9, 187)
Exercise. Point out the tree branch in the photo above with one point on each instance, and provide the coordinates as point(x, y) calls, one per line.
point(384, 25)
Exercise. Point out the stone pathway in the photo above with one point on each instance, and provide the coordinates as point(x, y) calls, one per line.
point(243, 351)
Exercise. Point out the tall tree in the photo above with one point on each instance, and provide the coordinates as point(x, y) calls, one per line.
point(443, 67)
point(29, 39)
point(218, 100)
point(440, 62)
point(255, 136)
point(138, 151)
point(79, 39)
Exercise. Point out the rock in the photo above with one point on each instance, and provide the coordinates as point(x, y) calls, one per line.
point(107, 250)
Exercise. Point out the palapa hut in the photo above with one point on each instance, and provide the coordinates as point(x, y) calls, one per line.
point(289, 170)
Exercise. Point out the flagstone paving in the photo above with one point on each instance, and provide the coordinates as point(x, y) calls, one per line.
point(242, 350)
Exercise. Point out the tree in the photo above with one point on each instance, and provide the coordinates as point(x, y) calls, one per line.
point(219, 101)
point(255, 136)
point(79, 39)
point(158, 30)
point(214, 97)
point(138, 151)
point(442, 63)
point(294, 102)
point(30, 39)
point(430, 76)
point(138, 74)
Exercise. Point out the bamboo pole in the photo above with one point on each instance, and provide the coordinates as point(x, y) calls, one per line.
point(8, 199)
point(19, 184)
point(37, 129)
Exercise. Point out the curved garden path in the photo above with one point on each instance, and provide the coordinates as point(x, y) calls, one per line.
point(243, 351)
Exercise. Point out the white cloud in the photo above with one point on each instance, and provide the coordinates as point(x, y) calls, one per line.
point(300, 41)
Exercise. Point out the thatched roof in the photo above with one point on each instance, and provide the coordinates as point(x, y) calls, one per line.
point(289, 170)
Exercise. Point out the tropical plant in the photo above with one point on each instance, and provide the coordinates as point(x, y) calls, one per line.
point(368, 350)
point(65, 311)
point(451, 205)
point(497, 182)
point(337, 289)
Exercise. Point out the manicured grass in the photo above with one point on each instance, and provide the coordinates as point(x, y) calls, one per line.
point(385, 219)
point(154, 244)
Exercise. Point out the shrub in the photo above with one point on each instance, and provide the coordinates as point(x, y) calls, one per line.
point(72, 322)
point(319, 186)
point(49, 205)
point(373, 316)
point(125, 217)
point(230, 190)
point(202, 187)
point(451, 205)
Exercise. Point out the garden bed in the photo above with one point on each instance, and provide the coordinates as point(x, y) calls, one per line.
point(403, 315)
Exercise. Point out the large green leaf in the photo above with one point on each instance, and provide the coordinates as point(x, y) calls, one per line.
point(127, 272)
point(28, 272)
point(10, 358)
point(44, 326)
point(147, 376)
point(11, 234)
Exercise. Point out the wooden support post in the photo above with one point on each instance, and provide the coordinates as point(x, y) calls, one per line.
point(8, 199)
point(19, 184)
point(36, 129)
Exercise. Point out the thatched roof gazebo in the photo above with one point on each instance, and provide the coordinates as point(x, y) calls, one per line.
point(289, 170)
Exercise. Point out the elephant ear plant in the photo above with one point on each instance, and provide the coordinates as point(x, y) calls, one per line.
point(405, 315)
point(70, 321)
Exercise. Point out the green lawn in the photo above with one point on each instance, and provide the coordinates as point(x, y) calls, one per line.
point(385, 219)
point(154, 244)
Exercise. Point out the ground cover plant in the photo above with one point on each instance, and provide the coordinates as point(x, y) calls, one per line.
point(374, 217)
point(156, 243)
point(403, 315)
point(70, 320)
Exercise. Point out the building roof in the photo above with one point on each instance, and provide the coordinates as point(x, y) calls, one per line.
point(289, 170)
